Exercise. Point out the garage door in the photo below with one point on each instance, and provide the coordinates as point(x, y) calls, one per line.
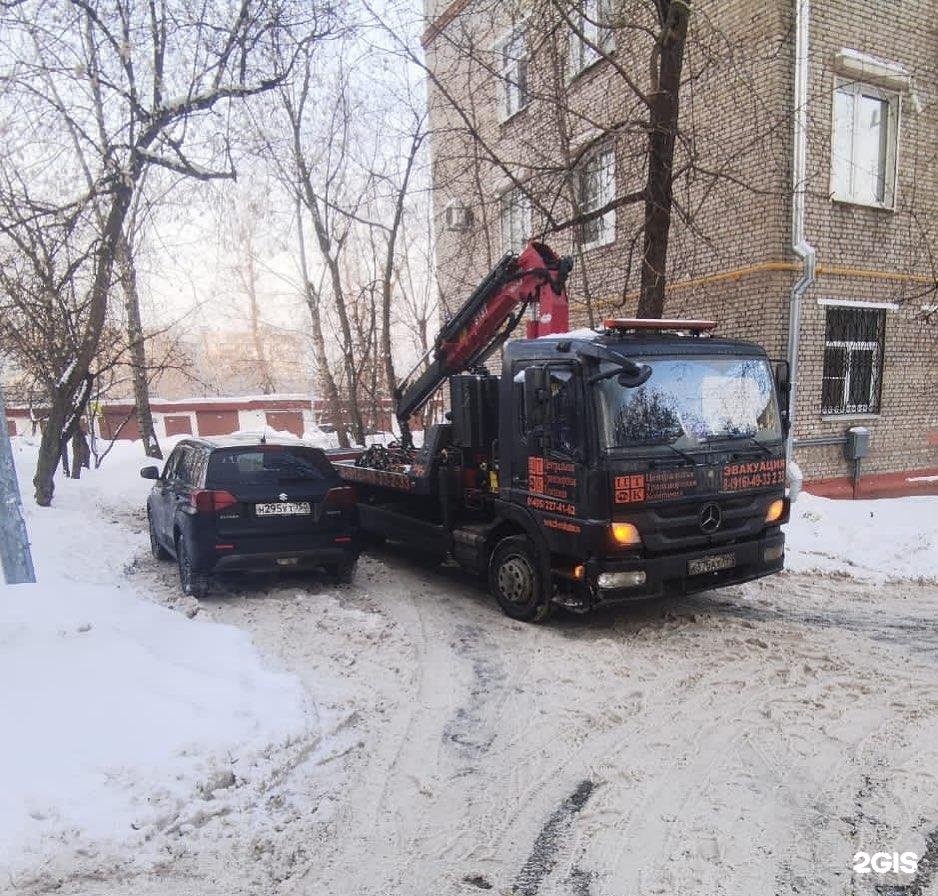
point(286, 421)
point(118, 425)
point(178, 425)
point(216, 423)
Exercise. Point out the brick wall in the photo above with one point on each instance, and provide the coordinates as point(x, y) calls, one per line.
point(732, 260)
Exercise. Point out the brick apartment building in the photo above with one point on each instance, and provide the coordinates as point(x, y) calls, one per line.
point(533, 116)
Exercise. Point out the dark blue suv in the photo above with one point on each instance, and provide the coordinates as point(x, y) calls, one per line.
point(250, 504)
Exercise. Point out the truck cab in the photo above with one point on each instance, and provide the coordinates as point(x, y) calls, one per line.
point(645, 461)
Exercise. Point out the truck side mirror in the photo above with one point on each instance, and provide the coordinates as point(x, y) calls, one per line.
point(535, 396)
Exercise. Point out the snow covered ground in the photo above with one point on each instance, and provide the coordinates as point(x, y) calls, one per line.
point(400, 736)
point(888, 539)
point(121, 716)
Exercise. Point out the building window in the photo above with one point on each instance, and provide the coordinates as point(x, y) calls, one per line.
point(591, 19)
point(863, 151)
point(853, 360)
point(513, 59)
point(596, 187)
point(515, 221)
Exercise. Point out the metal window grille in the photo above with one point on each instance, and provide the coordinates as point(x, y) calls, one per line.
point(853, 360)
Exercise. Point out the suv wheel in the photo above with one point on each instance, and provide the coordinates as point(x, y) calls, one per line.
point(516, 581)
point(343, 573)
point(193, 582)
point(156, 549)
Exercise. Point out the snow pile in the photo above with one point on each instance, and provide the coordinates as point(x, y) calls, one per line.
point(886, 539)
point(117, 710)
point(584, 333)
point(118, 714)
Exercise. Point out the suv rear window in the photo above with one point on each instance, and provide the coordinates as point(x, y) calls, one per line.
point(268, 464)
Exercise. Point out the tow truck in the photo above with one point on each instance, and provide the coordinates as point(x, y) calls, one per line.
point(644, 458)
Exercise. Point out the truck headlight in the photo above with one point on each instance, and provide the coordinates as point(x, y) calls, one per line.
point(775, 511)
point(625, 534)
point(612, 580)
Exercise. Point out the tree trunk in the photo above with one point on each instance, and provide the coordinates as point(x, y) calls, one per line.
point(249, 280)
point(77, 375)
point(80, 453)
point(663, 120)
point(319, 342)
point(138, 358)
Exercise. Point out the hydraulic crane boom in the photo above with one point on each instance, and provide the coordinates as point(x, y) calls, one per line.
point(488, 318)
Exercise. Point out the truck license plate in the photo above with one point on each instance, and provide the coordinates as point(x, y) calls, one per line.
point(283, 508)
point(711, 564)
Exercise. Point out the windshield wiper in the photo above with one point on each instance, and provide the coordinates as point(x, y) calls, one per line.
point(688, 457)
point(750, 440)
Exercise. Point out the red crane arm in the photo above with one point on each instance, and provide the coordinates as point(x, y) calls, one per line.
point(484, 321)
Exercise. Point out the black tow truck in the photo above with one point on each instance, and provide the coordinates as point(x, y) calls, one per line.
point(643, 459)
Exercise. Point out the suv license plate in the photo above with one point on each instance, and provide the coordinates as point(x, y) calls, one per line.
point(710, 564)
point(283, 508)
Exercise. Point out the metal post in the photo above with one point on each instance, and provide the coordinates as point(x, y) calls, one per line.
point(15, 555)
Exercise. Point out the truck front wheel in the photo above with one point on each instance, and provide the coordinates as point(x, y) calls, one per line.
point(516, 580)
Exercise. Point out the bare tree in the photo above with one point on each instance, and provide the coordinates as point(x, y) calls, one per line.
point(137, 83)
point(485, 60)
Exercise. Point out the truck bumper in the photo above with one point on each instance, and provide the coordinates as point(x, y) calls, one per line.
point(643, 577)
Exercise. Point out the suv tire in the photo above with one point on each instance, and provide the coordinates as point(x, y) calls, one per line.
point(343, 573)
point(516, 580)
point(194, 583)
point(156, 549)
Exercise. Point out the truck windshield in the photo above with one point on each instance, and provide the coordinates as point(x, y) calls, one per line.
point(689, 402)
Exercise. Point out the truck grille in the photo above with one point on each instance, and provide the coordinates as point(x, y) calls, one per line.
point(676, 526)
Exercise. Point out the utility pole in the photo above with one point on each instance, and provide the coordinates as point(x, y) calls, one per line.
point(15, 555)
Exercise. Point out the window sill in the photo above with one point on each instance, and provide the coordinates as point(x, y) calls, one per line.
point(841, 418)
point(572, 77)
point(505, 119)
point(597, 244)
point(859, 203)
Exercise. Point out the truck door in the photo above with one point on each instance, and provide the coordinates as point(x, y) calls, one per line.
point(550, 454)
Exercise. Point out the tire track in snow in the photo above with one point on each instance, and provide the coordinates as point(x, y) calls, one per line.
point(543, 854)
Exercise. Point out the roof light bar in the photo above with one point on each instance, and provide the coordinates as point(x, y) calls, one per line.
point(652, 323)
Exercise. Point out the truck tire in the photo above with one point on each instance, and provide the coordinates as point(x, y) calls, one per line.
point(516, 580)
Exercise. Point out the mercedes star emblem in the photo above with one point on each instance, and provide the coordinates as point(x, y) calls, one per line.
point(710, 517)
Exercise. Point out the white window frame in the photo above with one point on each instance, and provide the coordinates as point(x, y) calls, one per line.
point(512, 203)
point(515, 93)
point(849, 347)
point(893, 100)
point(607, 222)
point(581, 56)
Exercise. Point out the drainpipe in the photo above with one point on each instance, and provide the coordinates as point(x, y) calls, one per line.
point(802, 248)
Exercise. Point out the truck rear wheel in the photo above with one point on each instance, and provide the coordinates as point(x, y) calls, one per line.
point(516, 580)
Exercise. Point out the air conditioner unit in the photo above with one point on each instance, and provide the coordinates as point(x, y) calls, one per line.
point(457, 216)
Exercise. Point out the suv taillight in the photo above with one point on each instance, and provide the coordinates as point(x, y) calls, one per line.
point(212, 501)
point(343, 497)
